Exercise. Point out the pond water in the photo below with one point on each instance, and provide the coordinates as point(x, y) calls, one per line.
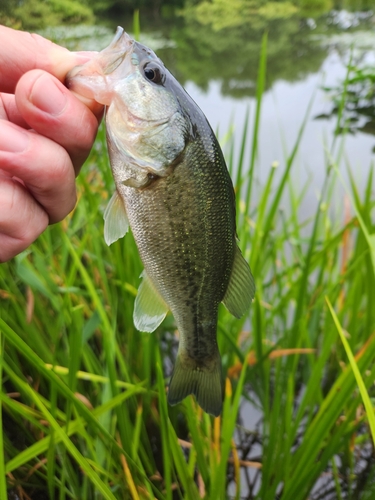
point(219, 68)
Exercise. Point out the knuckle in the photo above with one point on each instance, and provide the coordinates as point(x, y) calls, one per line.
point(10, 196)
point(38, 39)
point(53, 170)
point(49, 176)
point(84, 134)
point(22, 219)
point(41, 45)
point(67, 204)
point(3, 111)
point(85, 127)
point(60, 173)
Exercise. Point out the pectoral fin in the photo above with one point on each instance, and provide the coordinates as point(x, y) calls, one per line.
point(241, 288)
point(116, 222)
point(149, 308)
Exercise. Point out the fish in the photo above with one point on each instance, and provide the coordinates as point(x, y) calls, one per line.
point(174, 191)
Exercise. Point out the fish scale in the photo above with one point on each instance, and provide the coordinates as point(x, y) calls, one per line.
point(174, 191)
point(172, 234)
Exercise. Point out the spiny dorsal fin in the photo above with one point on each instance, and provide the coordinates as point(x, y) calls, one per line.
point(116, 222)
point(149, 307)
point(241, 288)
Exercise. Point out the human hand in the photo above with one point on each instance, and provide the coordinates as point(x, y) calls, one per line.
point(46, 133)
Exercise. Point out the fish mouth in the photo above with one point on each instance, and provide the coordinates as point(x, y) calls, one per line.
point(93, 78)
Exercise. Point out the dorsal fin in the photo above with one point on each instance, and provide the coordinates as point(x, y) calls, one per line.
point(241, 288)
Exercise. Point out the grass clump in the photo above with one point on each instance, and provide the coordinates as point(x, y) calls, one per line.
point(83, 393)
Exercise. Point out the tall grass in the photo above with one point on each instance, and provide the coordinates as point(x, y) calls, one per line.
point(83, 395)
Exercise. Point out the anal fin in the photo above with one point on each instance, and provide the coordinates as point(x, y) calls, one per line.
point(149, 307)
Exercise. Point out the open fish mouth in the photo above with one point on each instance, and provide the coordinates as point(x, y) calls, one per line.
point(81, 78)
point(108, 60)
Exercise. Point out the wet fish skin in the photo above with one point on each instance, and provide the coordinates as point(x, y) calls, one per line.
point(180, 234)
point(175, 192)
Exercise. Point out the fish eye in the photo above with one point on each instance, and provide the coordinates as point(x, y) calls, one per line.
point(154, 73)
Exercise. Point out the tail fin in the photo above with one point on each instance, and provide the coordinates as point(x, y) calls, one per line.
point(206, 383)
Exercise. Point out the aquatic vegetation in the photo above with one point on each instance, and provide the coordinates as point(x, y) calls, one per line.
point(358, 113)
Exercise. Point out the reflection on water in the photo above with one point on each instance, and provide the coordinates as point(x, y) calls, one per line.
point(197, 54)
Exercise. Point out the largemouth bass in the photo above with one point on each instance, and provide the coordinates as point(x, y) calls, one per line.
point(174, 191)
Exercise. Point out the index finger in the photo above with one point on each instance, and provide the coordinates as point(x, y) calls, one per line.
point(22, 52)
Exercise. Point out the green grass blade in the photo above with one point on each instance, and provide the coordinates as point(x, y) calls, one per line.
point(229, 418)
point(3, 485)
point(41, 446)
point(260, 90)
point(72, 449)
point(136, 25)
point(362, 388)
point(172, 452)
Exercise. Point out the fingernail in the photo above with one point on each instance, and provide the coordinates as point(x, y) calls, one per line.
point(47, 96)
point(12, 139)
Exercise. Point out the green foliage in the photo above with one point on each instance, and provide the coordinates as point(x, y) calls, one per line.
point(277, 10)
point(71, 11)
point(315, 7)
point(353, 5)
point(222, 14)
point(37, 14)
point(359, 109)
